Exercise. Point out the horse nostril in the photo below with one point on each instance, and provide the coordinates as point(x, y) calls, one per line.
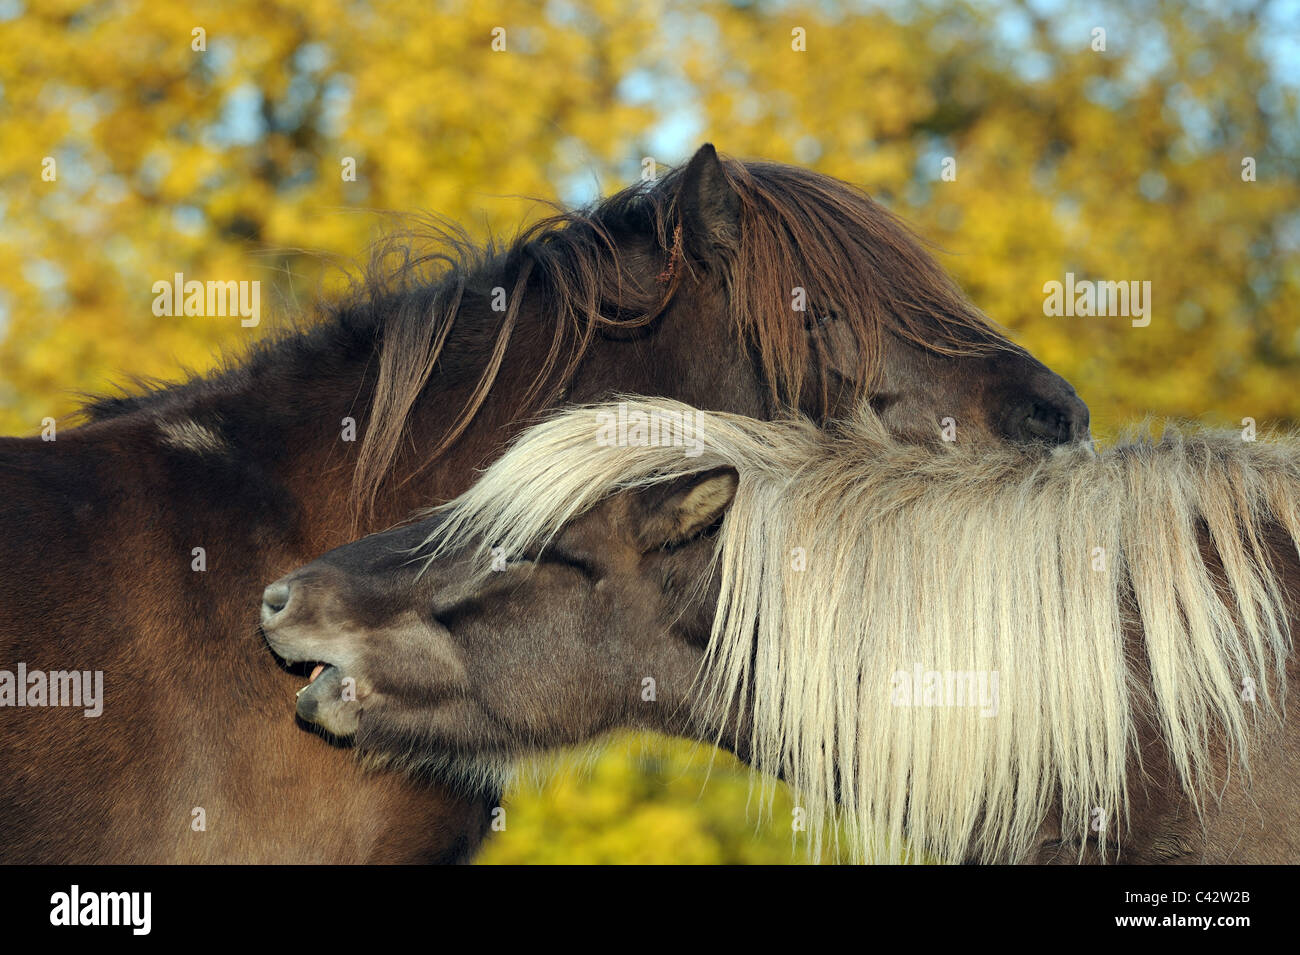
point(274, 599)
point(1052, 424)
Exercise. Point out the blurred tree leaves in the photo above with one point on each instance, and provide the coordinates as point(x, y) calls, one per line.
point(1122, 164)
point(224, 163)
point(644, 800)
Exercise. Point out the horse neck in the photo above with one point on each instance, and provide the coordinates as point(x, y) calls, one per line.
point(290, 431)
point(294, 417)
point(265, 449)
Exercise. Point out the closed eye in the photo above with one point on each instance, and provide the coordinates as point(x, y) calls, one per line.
point(553, 556)
point(820, 318)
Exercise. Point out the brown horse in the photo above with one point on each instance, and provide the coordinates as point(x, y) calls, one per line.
point(135, 546)
point(982, 653)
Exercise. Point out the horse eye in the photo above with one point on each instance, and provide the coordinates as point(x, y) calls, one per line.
point(820, 318)
point(568, 560)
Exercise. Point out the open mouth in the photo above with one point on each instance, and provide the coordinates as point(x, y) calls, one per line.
point(328, 701)
point(291, 662)
point(316, 670)
point(324, 684)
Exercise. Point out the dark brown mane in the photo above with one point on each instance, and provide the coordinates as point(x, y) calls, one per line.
point(856, 262)
point(798, 228)
point(852, 256)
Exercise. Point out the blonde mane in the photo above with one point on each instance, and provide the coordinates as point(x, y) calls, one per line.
point(862, 579)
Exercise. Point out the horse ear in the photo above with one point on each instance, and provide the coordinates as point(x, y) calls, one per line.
point(709, 205)
point(686, 511)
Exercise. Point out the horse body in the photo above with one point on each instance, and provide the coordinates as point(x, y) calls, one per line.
point(978, 653)
point(1249, 820)
point(193, 759)
point(188, 723)
point(1248, 815)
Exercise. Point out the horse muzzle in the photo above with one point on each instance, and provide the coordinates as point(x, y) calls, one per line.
point(331, 699)
point(330, 702)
